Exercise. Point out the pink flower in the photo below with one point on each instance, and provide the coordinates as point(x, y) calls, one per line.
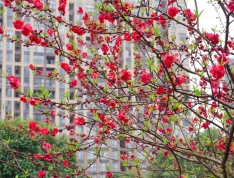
point(79, 121)
point(41, 174)
point(18, 24)
point(172, 11)
point(73, 83)
point(52, 113)
point(125, 75)
point(105, 49)
point(26, 30)
point(72, 132)
point(65, 163)
point(78, 30)
point(109, 174)
point(31, 66)
point(46, 146)
point(44, 131)
point(145, 77)
point(217, 72)
point(50, 32)
point(23, 99)
point(80, 10)
point(168, 60)
point(231, 5)
point(14, 82)
point(38, 4)
point(32, 125)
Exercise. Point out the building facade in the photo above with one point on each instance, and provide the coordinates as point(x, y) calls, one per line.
point(15, 59)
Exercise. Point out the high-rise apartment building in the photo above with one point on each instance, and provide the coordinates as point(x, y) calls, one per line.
point(15, 59)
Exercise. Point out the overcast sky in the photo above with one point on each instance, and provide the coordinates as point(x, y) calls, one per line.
point(208, 18)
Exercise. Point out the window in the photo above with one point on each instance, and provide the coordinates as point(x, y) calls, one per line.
point(115, 155)
point(172, 27)
point(182, 36)
point(26, 116)
point(9, 70)
point(104, 154)
point(8, 92)
point(17, 105)
point(9, 12)
point(71, 7)
point(93, 168)
point(17, 58)
point(26, 70)
point(89, 8)
point(37, 117)
point(80, 155)
point(103, 166)
point(37, 82)
point(50, 60)
point(9, 57)
point(52, 5)
point(9, 22)
point(91, 155)
point(115, 144)
point(17, 70)
point(8, 105)
point(186, 123)
point(26, 106)
point(181, 27)
point(50, 83)
point(115, 167)
point(26, 58)
point(9, 45)
point(38, 49)
point(38, 59)
point(80, 129)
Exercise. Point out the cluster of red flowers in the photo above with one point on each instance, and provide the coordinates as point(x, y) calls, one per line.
point(26, 29)
point(14, 82)
point(172, 11)
point(213, 38)
point(62, 6)
point(35, 128)
point(231, 5)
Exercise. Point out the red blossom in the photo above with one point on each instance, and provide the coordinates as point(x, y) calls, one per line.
point(32, 67)
point(23, 99)
point(136, 36)
point(50, 31)
point(14, 82)
point(231, 6)
point(213, 38)
point(205, 125)
point(38, 4)
point(32, 125)
point(41, 174)
point(172, 11)
point(78, 30)
point(79, 121)
point(105, 49)
point(46, 146)
point(73, 83)
point(26, 30)
point(217, 72)
point(80, 10)
point(18, 24)
point(125, 75)
point(145, 77)
point(44, 131)
point(168, 60)
point(109, 174)
point(65, 163)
